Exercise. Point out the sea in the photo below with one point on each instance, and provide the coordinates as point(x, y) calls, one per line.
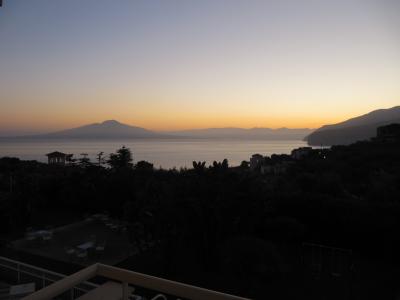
point(162, 153)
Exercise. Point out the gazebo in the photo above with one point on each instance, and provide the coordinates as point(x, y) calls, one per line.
point(58, 158)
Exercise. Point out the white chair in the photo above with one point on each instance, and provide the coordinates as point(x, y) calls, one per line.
point(100, 247)
point(69, 250)
point(82, 254)
point(47, 236)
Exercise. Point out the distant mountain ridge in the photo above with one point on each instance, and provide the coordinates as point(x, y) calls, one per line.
point(355, 129)
point(234, 132)
point(112, 129)
point(107, 129)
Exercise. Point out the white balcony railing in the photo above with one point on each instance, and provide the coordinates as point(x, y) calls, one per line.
point(128, 281)
point(20, 272)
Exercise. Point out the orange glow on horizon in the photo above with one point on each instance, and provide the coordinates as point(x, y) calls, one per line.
point(181, 113)
point(170, 124)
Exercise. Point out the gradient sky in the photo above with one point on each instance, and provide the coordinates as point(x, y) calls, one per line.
point(188, 64)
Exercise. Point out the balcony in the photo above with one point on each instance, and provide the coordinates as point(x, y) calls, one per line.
point(123, 284)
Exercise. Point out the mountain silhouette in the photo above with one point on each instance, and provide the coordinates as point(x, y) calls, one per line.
point(112, 129)
point(107, 129)
point(234, 132)
point(355, 129)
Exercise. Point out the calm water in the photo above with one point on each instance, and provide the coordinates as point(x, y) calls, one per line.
point(162, 153)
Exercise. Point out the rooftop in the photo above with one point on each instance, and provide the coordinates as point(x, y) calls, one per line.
point(56, 153)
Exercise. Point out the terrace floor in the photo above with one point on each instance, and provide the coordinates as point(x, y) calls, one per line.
point(91, 231)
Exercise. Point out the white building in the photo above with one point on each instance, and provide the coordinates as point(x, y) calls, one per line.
point(255, 161)
point(300, 153)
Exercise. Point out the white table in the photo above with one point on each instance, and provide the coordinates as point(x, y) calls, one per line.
point(38, 234)
point(42, 232)
point(86, 245)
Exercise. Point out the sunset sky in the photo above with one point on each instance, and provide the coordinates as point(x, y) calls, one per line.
point(192, 64)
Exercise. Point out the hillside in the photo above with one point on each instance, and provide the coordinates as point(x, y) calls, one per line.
point(355, 129)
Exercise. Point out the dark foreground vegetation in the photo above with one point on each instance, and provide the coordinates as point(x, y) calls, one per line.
point(236, 229)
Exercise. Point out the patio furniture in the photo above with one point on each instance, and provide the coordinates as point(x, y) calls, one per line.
point(69, 250)
point(82, 254)
point(44, 235)
point(47, 236)
point(85, 246)
point(100, 247)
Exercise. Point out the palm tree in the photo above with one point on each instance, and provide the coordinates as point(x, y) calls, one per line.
point(100, 158)
point(199, 166)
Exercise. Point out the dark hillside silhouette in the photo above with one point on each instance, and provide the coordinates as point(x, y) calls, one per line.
point(353, 130)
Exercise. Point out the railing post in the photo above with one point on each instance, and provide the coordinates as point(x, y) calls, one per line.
point(125, 291)
point(19, 273)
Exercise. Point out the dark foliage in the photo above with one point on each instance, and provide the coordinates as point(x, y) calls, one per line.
point(230, 220)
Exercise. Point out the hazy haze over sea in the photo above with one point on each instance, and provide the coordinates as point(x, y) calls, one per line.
point(167, 153)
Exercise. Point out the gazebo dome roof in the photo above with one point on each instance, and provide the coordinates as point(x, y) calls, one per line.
point(56, 154)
